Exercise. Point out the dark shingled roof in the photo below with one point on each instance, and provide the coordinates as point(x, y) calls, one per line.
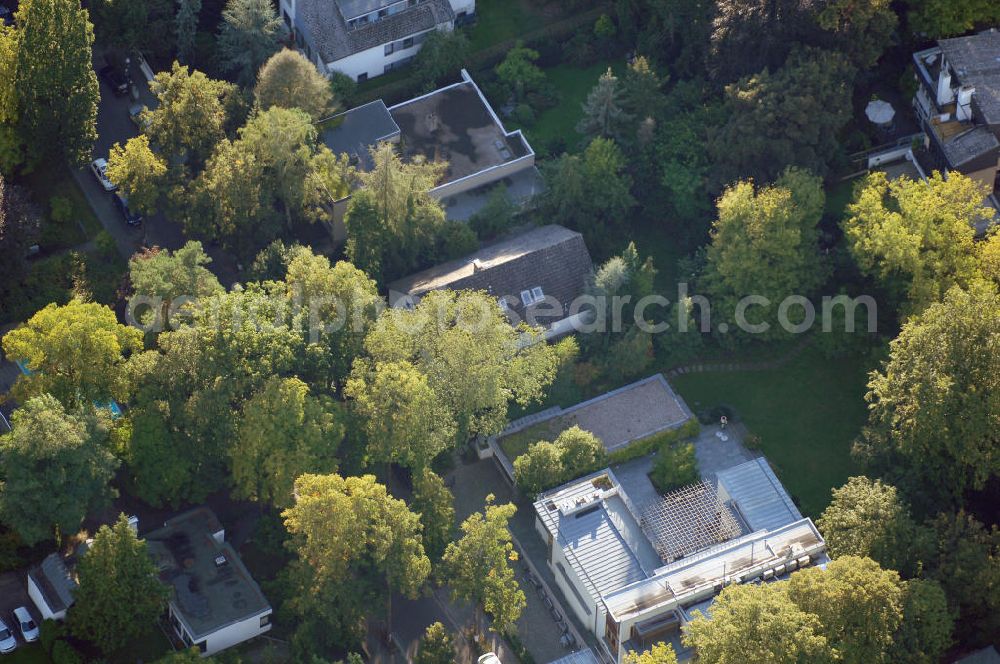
point(970, 145)
point(976, 61)
point(54, 580)
point(327, 32)
point(550, 257)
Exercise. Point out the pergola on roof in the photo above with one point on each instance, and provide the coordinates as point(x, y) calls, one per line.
point(687, 520)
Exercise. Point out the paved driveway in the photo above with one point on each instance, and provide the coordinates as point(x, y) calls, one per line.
point(14, 593)
point(115, 126)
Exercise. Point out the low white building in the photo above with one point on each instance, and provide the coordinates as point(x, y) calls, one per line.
point(51, 585)
point(367, 38)
point(634, 576)
point(215, 603)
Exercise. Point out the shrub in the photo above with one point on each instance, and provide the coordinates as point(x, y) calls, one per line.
point(61, 209)
point(524, 115)
point(456, 240)
point(49, 632)
point(581, 451)
point(642, 447)
point(675, 466)
point(343, 86)
point(495, 217)
point(539, 468)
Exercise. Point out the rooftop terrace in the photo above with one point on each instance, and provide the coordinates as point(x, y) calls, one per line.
point(211, 586)
point(455, 124)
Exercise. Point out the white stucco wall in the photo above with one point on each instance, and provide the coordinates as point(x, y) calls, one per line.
point(373, 61)
point(43, 607)
point(467, 6)
point(236, 633)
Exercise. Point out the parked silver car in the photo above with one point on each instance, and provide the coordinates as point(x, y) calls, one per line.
point(25, 623)
point(7, 641)
point(99, 167)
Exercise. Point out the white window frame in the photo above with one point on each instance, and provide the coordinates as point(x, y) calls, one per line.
point(531, 296)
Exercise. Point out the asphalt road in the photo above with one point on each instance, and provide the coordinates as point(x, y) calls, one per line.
point(115, 126)
point(14, 593)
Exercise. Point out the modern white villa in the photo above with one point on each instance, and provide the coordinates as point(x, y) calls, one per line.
point(634, 575)
point(367, 38)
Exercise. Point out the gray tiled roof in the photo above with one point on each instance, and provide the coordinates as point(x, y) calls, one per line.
point(550, 257)
point(55, 582)
point(354, 8)
point(327, 33)
point(976, 61)
point(761, 499)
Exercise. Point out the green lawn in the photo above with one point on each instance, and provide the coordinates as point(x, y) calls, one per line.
point(573, 84)
point(807, 415)
point(500, 20)
point(27, 654)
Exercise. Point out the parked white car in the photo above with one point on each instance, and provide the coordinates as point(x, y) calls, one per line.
point(25, 623)
point(7, 641)
point(99, 167)
point(489, 658)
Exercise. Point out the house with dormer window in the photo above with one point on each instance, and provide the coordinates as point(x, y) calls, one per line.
point(367, 38)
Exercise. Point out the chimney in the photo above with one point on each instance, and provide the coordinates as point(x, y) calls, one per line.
point(963, 105)
point(477, 265)
point(944, 92)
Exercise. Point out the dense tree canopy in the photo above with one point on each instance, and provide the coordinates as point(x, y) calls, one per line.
point(869, 519)
point(435, 504)
point(757, 623)
point(660, 653)
point(437, 646)
point(949, 18)
point(138, 172)
point(448, 332)
point(859, 606)
point(251, 33)
point(477, 566)
point(935, 406)
point(355, 545)
point(75, 352)
point(120, 596)
point(20, 223)
point(765, 243)
point(56, 469)
point(789, 116)
point(54, 80)
point(284, 432)
point(925, 633)
point(916, 238)
point(169, 275)
point(289, 80)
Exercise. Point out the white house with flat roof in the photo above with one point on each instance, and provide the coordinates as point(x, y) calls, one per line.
point(634, 575)
point(215, 603)
point(367, 38)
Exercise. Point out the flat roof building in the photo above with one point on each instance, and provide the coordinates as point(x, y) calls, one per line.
point(215, 602)
point(634, 574)
point(455, 125)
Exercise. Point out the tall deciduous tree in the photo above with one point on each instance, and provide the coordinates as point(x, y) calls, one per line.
point(355, 544)
point(448, 332)
point(934, 408)
point(75, 352)
point(192, 114)
point(861, 30)
point(443, 54)
point(138, 172)
point(948, 18)
point(859, 606)
point(437, 646)
point(765, 243)
point(284, 432)
point(603, 115)
point(539, 468)
point(120, 23)
point(757, 623)
point(54, 80)
point(56, 469)
point(870, 519)
point(925, 633)
point(405, 420)
point(251, 33)
point(477, 566)
point(436, 506)
point(120, 595)
point(392, 222)
point(786, 117)
point(170, 275)
point(519, 73)
point(289, 80)
point(917, 237)
point(590, 192)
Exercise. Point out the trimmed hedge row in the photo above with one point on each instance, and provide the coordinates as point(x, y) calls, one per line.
point(647, 445)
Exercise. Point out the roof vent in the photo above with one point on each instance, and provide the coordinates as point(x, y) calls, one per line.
point(220, 560)
point(477, 265)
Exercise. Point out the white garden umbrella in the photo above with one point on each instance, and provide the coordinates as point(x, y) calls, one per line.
point(880, 112)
